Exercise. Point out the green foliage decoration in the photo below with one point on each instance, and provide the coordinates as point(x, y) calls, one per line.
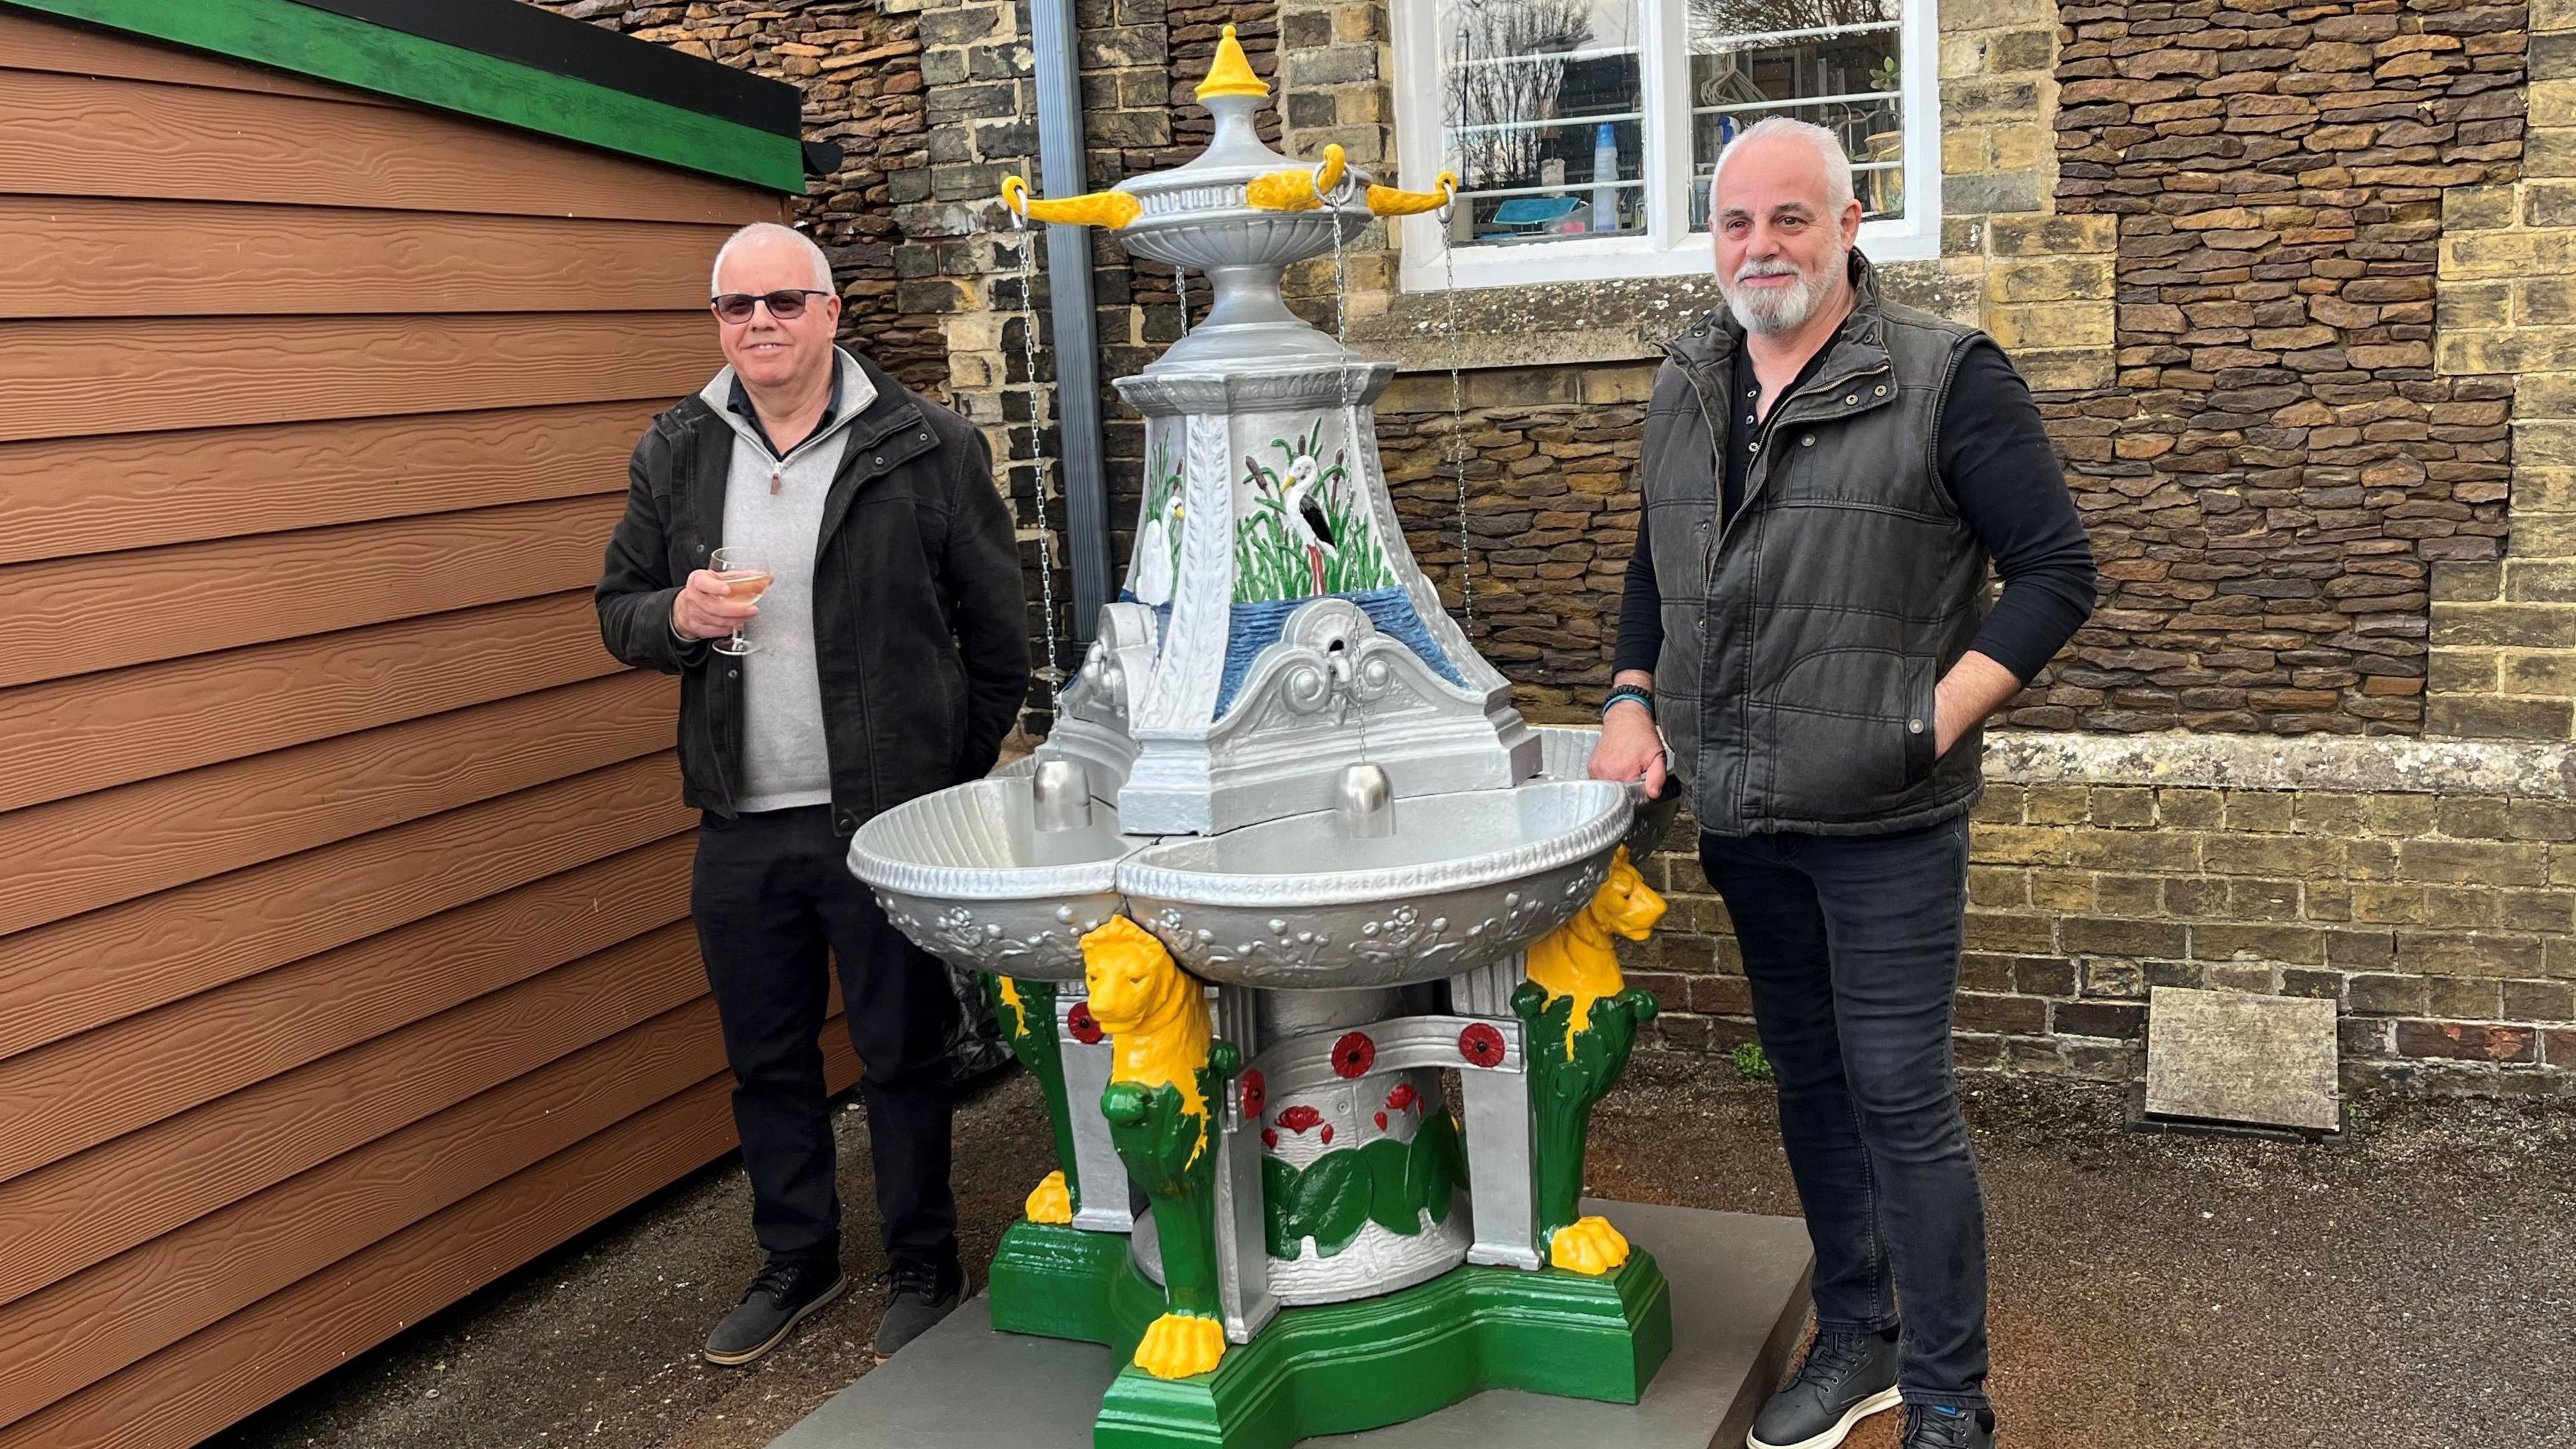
point(1387, 1182)
point(1270, 563)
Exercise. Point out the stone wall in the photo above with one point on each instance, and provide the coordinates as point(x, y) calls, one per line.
point(2281, 468)
point(859, 65)
point(2428, 890)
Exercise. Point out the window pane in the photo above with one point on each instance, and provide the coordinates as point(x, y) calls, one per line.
point(1832, 62)
point(1544, 118)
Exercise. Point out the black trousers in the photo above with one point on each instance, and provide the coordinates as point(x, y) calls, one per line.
point(1851, 950)
point(772, 896)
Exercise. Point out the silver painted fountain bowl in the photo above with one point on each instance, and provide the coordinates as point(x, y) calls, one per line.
point(968, 876)
point(1565, 753)
point(1463, 880)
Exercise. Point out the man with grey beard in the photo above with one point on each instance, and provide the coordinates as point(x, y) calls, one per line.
point(1827, 476)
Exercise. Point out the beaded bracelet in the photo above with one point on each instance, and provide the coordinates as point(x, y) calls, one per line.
point(1637, 692)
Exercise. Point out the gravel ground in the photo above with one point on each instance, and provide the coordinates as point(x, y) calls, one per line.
point(2412, 1289)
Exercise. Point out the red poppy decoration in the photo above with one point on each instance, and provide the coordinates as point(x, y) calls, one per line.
point(1481, 1045)
point(1402, 1098)
point(1299, 1118)
point(1085, 1030)
point(1256, 1095)
point(1352, 1054)
point(1328, 1134)
point(1381, 1121)
point(1269, 1139)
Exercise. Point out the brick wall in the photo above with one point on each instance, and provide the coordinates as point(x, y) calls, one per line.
point(2438, 919)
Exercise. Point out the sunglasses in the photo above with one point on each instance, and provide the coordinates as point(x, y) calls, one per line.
point(786, 306)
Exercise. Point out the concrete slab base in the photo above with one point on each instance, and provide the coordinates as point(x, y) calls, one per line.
point(1739, 1300)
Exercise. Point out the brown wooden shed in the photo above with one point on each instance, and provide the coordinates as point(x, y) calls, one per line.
point(344, 951)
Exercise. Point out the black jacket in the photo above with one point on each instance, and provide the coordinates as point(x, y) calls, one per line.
point(920, 620)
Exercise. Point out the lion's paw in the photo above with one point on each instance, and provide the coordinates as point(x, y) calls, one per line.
point(1180, 1345)
point(1588, 1245)
point(1050, 1201)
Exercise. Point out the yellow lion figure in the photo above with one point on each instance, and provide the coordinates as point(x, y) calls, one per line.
point(1155, 1014)
point(1577, 959)
point(1160, 1036)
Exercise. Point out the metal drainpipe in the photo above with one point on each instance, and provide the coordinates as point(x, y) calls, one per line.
point(1062, 170)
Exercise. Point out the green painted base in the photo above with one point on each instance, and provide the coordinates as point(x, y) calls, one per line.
point(1341, 1368)
point(1057, 1282)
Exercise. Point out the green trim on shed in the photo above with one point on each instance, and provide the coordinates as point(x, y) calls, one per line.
point(331, 47)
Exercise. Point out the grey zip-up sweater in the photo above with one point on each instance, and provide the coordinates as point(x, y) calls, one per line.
point(773, 510)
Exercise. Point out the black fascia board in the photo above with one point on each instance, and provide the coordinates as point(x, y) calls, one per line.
point(542, 40)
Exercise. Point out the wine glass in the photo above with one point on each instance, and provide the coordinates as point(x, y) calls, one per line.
point(745, 578)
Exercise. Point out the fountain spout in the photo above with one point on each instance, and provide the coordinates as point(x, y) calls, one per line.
point(1061, 796)
point(1365, 800)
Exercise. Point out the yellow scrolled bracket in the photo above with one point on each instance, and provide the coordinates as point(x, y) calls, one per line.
point(1296, 190)
point(1387, 201)
point(1111, 209)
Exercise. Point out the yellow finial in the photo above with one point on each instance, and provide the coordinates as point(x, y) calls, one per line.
point(1232, 75)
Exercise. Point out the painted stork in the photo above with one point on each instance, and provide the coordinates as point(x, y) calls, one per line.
point(1306, 517)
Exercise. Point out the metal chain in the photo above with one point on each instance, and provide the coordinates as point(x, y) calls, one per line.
point(1037, 442)
point(1181, 291)
point(1457, 417)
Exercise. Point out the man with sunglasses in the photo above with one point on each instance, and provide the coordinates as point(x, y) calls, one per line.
point(888, 656)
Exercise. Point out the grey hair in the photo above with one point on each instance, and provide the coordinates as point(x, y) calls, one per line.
point(763, 231)
point(1828, 148)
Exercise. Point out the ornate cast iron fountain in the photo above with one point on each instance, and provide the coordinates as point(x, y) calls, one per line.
point(1288, 855)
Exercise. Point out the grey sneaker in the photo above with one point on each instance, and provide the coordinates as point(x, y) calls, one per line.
point(922, 1297)
point(787, 1292)
point(1846, 1378)
point(1929, 1426)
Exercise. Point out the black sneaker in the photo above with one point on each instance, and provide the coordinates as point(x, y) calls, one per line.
point(787, 1292)
point(1929, 1426)
point(1846, 1378)
point(922, 1296)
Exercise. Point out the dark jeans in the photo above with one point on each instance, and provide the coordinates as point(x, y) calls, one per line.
point(772, 894)
point(1851, 948)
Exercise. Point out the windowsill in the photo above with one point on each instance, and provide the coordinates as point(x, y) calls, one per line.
point(1627, 319)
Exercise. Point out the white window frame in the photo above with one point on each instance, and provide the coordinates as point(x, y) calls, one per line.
point(1667, 247)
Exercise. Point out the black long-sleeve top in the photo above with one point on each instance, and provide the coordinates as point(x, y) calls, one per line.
point(2001, 474)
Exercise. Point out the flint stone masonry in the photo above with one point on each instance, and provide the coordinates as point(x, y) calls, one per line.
point(2280, 470)
point(859, 65)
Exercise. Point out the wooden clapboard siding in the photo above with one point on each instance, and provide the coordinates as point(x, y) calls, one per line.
point(98, 849)
point(221, 1373)
point(282, 1019)
point(92, 495)
point(156, 1178)
point(97, 1321)
point(81, 257)
point(66, 135)
point(91, 731)
point(112, 609)
point(28, 42)
point(63, 979)
point(345, 959)
point(68, 378)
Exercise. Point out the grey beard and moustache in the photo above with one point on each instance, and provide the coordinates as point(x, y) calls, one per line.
point(1768, 310)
